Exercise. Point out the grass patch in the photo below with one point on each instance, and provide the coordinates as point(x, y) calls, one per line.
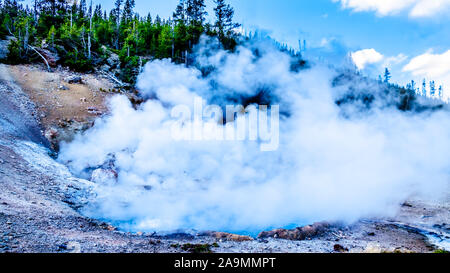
point(197, 248)
point(441, 251)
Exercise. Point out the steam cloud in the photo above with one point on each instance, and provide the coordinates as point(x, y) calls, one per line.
point(329, 166)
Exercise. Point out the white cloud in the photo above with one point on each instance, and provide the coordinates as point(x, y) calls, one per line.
point(395, 60)
point(431, 66)
point(415, 8)
point(364, 57)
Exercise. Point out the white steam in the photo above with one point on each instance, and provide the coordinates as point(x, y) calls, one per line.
point(328, 166)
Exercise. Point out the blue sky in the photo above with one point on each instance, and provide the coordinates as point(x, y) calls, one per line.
point(398, 31)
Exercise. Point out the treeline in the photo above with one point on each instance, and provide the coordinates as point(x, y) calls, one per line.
point(82, 34)
point(432, 91)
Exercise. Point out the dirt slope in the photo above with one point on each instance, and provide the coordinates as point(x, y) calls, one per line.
point(62, 108)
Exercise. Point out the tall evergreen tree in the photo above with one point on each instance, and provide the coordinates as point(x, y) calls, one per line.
point(196, 11)
point(387, 75)
point(224, 18)
point(432, 88)
point(424, 88)
point(128, 12)
point(115, 16)
point(98, 13)
point(180, 13)
point(36, 9)
point(11, 10)
point(82, 10)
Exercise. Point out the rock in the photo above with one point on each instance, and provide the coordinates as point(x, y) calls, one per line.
point(113, 61)
point(4, 44)
point(105, 68)
point(104, 176)
point(74, 80)
point(51, 57)
point(51, 134)
point(298, 234)
point(95, 111)
point(72, 247)
point(407, 205)
point(1, 161)
point(227, 236)
point(63, 87)
point(339, 248)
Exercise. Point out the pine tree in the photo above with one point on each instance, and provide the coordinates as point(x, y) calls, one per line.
point(180, 13)
point(149, 18)
point(196, 12)
point(98, 13)
point(82, 9)
point(432, 88)
point(224, 18)
point(127, 15)
point(36, 8)
point(115, 16)
point(10, 8)
point(115, 13)
point(424, 88)
point(158, 20)
point(413, 85)
point(387, 75)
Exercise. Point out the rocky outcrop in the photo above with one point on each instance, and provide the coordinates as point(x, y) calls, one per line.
point(51, 57)
point(104, 176)
point(298, 234)
point(227, 236)
point(4, 47)
point(74, 80)
point(113, 61)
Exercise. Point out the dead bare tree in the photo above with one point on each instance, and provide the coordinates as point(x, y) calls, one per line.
point(90, 32)
point(45, 60)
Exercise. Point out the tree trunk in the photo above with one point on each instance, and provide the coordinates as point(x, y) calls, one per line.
point(45, 60)
point(90, 33)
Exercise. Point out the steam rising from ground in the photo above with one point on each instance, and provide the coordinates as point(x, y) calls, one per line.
point(328, 166)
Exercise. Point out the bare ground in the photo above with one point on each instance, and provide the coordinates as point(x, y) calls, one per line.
point(39, 200)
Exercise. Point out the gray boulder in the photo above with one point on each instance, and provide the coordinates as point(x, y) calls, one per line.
point(4, 44)
point(74, 79)
point(113, 61)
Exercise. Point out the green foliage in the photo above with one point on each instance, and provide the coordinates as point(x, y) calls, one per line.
point(15, 55)
point(197, 248)
point(78, 61)
point(129, 68)
point(77, 32)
